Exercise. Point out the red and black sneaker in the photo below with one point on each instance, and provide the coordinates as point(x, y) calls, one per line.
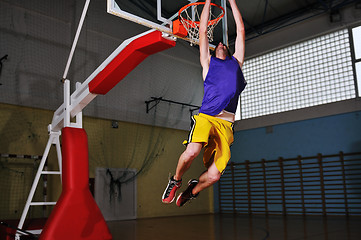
point(169, 192)
point(187, 194)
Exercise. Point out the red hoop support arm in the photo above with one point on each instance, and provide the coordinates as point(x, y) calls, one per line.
point(132, 55)
point(119, 64)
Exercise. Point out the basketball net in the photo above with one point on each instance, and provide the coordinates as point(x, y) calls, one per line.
point(189, 16)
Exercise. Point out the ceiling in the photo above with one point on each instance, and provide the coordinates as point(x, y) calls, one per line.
point(260, 16)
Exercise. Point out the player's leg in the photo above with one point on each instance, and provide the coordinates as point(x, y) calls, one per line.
point(186, 159)
point(207, 179)
point(184, 162)
point(216, 156)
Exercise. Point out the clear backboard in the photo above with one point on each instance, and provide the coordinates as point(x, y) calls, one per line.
point(143, 12)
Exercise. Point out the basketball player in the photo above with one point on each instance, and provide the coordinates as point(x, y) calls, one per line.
point(212, 128)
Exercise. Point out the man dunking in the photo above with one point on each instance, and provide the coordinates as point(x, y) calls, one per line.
point(212, 128)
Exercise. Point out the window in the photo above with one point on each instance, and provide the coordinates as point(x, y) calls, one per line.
point(356, 35)
point(314, 72)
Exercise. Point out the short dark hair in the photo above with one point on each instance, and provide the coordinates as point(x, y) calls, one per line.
point(228, 51)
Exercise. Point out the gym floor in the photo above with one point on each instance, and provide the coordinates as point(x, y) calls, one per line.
point(239, 227)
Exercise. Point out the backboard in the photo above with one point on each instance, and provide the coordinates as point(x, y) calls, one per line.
point(160, 14)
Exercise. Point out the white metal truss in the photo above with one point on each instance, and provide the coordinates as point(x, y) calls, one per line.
point(53, 140)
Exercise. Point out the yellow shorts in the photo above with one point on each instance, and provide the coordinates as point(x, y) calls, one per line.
point(216, 135)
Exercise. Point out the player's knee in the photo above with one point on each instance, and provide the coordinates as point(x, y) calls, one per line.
point(213, 178)
point(190, 154)
point(192, 151)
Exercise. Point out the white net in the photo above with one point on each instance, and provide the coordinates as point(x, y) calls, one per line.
point(190, 14)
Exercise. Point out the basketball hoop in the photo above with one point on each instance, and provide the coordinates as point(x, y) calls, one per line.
point(190, 15)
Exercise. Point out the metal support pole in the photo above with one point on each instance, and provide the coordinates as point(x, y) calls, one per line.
point(85, 9)
point(225, 23)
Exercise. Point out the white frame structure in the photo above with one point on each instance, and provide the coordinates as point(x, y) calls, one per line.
point(114, 9)
point(63, 114)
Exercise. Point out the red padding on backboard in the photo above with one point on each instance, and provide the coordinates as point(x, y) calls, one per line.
point(76, 216)
point(132, 55)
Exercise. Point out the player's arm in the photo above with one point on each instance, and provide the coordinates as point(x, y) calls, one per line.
point(204, 53)
point(240, 39)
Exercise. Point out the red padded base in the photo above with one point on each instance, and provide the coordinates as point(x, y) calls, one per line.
point(76, 215)
point(132, 55)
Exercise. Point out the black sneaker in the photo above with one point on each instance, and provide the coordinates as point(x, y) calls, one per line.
point(187, 194)
point(170, 190)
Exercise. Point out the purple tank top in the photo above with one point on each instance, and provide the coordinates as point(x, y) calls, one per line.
point(223, 85)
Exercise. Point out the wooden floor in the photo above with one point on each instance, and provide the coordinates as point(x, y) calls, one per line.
point(240, 227)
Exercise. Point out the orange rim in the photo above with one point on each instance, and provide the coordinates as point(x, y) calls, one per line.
point(211, 22)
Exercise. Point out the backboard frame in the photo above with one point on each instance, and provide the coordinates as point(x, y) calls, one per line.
point(167, 24)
